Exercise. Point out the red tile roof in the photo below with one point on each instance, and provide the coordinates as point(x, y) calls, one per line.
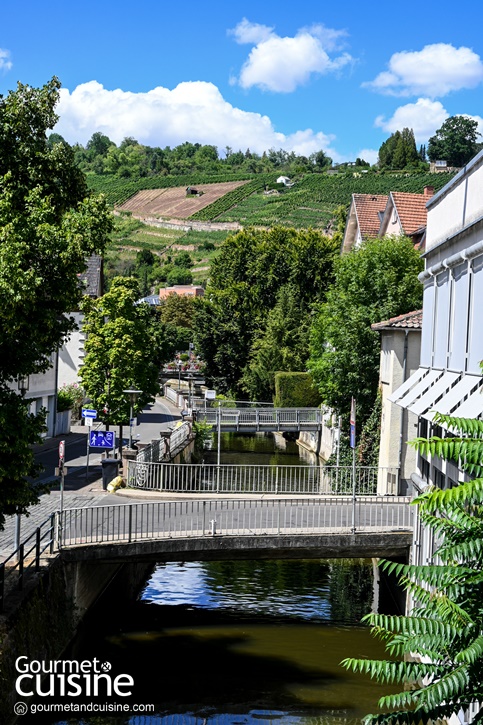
point(411, 209)
point(410, 320)
point(367, 207)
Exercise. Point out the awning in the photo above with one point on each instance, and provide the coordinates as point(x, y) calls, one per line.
point(472, 407)
point(420, 388)
point(407, 385)
point(427, 401)
point(454, 397)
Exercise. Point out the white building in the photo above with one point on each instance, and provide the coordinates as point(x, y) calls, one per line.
point(71, 355)
point(449, 378)
point(400, 353)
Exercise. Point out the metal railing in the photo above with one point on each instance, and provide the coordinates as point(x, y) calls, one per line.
point(260, 419)
point(168, 519)
point(233, 479)
point(158, 450)
point(26, 557)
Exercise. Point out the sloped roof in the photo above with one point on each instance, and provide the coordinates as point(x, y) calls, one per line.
point(367, 208)
point(91, 279)
point(408, 321)
point(411, 210)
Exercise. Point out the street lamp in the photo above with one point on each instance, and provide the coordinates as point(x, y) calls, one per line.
point(23, 385)
point(190, 380)
point(133, 396)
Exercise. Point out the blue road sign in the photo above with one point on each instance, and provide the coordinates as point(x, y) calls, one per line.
point(86, 413)
point(101, 439)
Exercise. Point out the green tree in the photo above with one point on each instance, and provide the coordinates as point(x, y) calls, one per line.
point(437, 650)
point(48, 227)
point(125, 346)
point(373, 283)
point(399, 150)
point(455, 142)
point(282, 346)
point(178, 310)
point(245, 280)
point(179, 275)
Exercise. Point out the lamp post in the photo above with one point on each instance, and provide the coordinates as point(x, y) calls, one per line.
point(133, 396)
point(190, 380)
point(23, 386)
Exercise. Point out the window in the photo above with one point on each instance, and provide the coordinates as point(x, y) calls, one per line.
point(459, 318)
point(476, 318)
point(428, 315)
point(441, 324)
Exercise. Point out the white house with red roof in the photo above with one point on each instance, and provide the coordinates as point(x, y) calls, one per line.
point(364, 219)
point(400, 353)
point(406, 214)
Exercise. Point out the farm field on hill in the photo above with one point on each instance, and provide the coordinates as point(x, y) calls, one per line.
point(131, 236)
point(174, 203)
point(313, 200)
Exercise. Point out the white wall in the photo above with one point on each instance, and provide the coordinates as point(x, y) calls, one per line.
point(72, 354)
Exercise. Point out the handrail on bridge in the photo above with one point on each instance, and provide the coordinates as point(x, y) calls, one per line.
point(25, 556)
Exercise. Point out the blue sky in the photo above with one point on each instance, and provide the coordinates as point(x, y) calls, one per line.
point(295, 75)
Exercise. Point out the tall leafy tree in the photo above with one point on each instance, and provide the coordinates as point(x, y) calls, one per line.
point(373, 283)
point(246, 277)
point(48, 227)
point(282, 346)
point(124, 349)
point(455, 142)
point(436, 652)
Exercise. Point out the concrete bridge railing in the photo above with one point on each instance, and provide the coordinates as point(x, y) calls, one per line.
point(195, 518)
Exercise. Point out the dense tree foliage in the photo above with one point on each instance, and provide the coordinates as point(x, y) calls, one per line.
point(455, 142)
point(48, 227)
point(399, 151)
point(124, 348)
point(132, 159)
point(373, 283)
point(282, 345)
point(245, 286)
point(437, 651)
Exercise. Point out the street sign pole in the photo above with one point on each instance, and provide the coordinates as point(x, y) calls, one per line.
point(353, 446)
point(61, 469)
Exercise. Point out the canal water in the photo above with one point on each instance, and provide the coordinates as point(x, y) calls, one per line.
point(236, 642)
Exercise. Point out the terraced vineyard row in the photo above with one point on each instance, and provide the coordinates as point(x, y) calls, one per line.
point(118, 190)
point(313, 200)
point(232, 198)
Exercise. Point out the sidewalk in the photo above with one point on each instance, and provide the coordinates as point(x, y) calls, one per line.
point(162, 414)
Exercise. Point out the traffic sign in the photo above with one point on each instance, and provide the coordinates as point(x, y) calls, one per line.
point(101, 439)
point(61, 450)
point(86, 413)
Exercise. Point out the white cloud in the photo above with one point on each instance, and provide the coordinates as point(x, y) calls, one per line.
point(369, 155)
point(424, 117)
point(5, 62)
point(282, 64)
point(252, 33)
point(193, 111)
point(434, 71)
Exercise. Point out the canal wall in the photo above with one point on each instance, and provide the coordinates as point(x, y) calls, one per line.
point(41, 620)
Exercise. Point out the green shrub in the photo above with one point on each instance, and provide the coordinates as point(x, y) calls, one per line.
point(70, 397)
point(295, 390)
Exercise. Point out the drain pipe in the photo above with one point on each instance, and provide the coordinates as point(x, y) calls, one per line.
point(403, 411)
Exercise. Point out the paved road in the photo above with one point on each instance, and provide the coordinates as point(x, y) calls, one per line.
point(79, 490)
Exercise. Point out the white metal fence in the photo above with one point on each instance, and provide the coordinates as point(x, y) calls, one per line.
point(162, 449)
point(223, 479)
point(168, 519)
point(263, 418)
